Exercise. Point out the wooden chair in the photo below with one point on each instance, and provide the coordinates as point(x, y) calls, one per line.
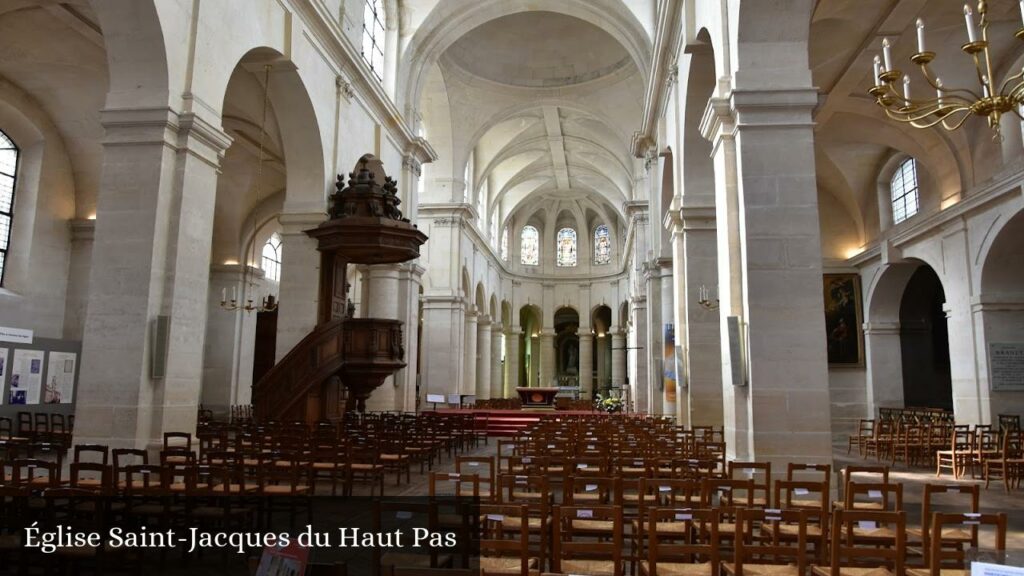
point(876, 473)
point(405, 514)
point(761, 474)
point(812, 498)
point(1010, 462)
point(91, 476)
point(943, 561)
point(851, 556)
point(482, 466)
point(988, 445)
point(959, 456)
point(767, 552)
point(576, 552)
point(1008, 422)
point(124, 457)
point(681, 542)
point(364, 465)
point(177, 441)
point(458, 483)
point(35, 474)
point(874, 496)
point(504, 549)
point(865, 431)
point(534, 492)
point(968, 497)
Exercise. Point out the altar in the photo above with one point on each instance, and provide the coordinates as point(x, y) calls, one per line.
point(538, 398)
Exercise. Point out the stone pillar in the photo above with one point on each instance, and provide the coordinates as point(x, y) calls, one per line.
point(884, 358)
point(603, 362)
point(547, 358)
point(442, 322)
point(230, 339)
point(151, 258)
point(703, 330)
point(619, 361)
point(300, 281)
point(512, 361)
point(483, 358)
point(469, 360)
point(770, 276)
point(495, 367)
point(83, 232)
point(586, 364)
point(410, 281)
point(637, 368)
point(382, 300)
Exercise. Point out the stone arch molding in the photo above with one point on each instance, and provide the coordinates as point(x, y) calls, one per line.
point(449, 21)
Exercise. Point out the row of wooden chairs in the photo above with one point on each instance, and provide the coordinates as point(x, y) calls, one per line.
point(38, 427)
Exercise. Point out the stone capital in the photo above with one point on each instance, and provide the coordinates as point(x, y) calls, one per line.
point(881, 328)
point(297, 223)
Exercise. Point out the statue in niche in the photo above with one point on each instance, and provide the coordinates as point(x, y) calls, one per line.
point(571, 359)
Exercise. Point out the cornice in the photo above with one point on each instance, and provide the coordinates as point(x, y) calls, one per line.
point(667, 37)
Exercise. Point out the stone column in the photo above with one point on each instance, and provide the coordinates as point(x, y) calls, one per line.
point(619, 361)
point(547, 358)
point(497, 375)
point(469, 360)
point(410, 280)
point(151, 258)
point(230, 339)
point(771, 277)
point(483, 358)
point(300, 281)
point(637, 367)
point(884, 358)
point(586, 364)
point(442, 322)
point(602, 359)
point(512, 361)
point(83, 232)
point(670, 389)
point(382, 300)
point(703, 329)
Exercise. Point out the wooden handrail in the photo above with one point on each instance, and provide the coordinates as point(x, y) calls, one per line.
point(304, 369)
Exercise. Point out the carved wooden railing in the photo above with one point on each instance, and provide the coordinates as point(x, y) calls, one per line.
point(285, 392)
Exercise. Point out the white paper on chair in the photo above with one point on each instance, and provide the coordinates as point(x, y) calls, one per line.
point(664, 488)
point(680, 516)
point(584, 513)
point(876, 494)
point(473, 464)
point(591, 488)
point(496, 517)
point(801, 491)
point(867, 525)
point(403, 515)
point(986, 569)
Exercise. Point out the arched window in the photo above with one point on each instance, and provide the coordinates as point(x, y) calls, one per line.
point(8, 170)
point(566, 247)
point(904, 191)
point(529, 246)
point(272, 258)
point(602, 245)
point(373, 36)
point(504, 244)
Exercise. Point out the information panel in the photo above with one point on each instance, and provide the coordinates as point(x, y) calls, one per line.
point(1006, 366)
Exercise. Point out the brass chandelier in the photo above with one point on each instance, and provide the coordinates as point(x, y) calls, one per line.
point(951, 107)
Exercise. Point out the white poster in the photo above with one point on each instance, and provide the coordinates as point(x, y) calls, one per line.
point(26, 377)
point(3, 373)
point(60, 378)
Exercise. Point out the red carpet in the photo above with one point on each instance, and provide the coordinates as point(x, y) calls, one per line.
point(508, 422)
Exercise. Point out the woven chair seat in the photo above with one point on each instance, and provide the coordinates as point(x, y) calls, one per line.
point(677, 569)
point(763, 569)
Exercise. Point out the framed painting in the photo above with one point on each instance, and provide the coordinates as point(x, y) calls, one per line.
point(844, 320)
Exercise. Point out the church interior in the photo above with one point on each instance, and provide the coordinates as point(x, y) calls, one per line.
point(676, 287)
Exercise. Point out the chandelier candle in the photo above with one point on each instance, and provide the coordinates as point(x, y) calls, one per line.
point(972, 32)
point(887, 54)
point(920, 35)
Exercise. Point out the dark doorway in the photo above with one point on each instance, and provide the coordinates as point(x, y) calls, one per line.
point(265, 349)
point(924, 342)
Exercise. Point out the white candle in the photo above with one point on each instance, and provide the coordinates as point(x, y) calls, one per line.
point(878, 69)
point(887, 54)
point(906, 87)
point(972, 34)
point(1022, 10)
point(234, 293)
point(920, 35)
point(223, 295)
point(984, 87)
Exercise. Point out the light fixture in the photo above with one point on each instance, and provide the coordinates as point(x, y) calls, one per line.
point(268, 303)
point(706, 299)
point(951, 107)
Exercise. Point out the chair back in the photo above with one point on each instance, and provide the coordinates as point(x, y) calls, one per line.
point(940, 556)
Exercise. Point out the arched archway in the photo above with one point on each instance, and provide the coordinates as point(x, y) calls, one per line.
point(924, 342)
point(567, 346)
point(531, 322)
point(601, 322)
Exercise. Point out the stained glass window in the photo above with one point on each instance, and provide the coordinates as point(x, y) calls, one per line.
point(904, 191)
point(566, 247)
point(504, 245)
point(8, 169)
point(529, 246)
point(602, 245)
point(373, 36)
point(272, 259)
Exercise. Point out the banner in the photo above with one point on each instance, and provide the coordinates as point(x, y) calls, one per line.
point(669, 363)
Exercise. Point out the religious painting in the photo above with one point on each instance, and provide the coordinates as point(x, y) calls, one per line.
point(843, 319)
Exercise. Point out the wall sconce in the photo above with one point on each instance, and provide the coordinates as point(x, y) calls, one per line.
point(707, 297)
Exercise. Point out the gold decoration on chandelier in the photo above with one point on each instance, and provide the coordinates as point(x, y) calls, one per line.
point(951, 107)
point(249, 285)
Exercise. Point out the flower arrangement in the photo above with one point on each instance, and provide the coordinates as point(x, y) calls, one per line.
point(609, 404)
